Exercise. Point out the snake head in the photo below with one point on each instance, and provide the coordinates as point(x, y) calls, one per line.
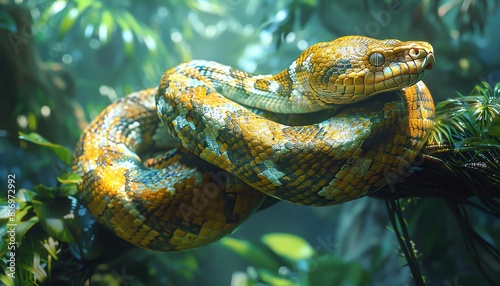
point(354, 68)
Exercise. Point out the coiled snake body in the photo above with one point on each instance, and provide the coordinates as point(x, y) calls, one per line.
point(326, 130)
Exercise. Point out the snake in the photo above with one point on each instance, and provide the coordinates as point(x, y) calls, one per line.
point(183, 164)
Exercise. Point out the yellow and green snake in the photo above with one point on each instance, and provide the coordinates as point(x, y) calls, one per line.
point(182, 165)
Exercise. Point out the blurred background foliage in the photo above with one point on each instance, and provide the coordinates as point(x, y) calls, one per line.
point(64, 61)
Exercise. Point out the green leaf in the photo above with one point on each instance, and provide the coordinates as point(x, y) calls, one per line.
point(151, 41)
point(53, 9)
point(127, 35)
point(106, 27)
point(50, 245)
point(272, 279)
point(23, 227)
point(63, 153)
point(494, 128)
point(90, 22)
point(58, 218)
point(334, 271)
point(45, 192)
point(290, 246)
point(256, 255)
point(133, 24)
point(6, 280)
point(72, 14)
point(69, 178)
point(67, 190)
point(68, 21)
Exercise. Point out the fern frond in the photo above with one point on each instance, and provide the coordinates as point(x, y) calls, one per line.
point(463, 123)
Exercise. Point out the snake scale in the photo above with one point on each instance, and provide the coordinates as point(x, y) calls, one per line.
point(324, 131)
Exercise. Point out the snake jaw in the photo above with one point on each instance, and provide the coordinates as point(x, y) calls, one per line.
point(428, 63)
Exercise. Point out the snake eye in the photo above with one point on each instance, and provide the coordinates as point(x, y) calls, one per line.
point(377, 59)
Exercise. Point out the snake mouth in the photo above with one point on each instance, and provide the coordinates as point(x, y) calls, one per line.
point(428, 62)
